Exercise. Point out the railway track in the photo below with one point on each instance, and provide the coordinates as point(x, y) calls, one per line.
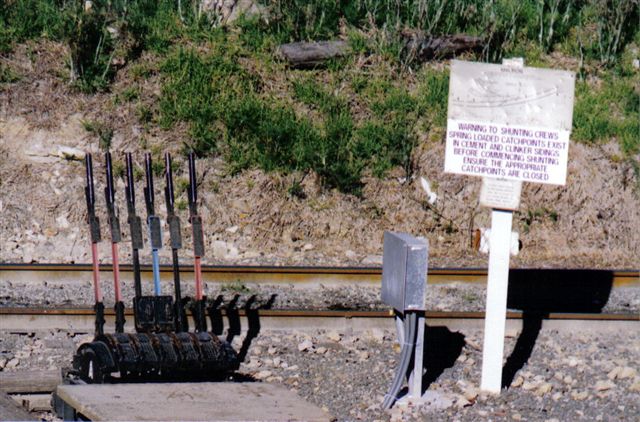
point(81, 319)
point(284, 275)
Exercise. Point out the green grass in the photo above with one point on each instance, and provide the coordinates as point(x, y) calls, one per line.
point(102, 131)
point(344, 120)
point(608, 111)
point(7, 75)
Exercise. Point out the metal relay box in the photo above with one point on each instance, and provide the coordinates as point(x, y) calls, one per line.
point(404, 271)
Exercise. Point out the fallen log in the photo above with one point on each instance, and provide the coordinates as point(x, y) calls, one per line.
point(310, 54)
point(418, 47)
point(421, 48)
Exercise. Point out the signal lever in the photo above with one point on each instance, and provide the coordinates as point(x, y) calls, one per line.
point(114, 226)
point(198, 308)
point(176, 243)
point(94, 229)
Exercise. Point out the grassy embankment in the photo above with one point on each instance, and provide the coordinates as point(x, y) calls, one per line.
point(363, 114)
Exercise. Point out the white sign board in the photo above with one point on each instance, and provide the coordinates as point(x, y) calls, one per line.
point(503, 194)
point(509, 122)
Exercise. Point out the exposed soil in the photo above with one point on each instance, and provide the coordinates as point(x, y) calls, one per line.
point(592, 222)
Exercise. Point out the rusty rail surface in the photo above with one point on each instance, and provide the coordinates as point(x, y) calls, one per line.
point(307, 313)
point(287, 274)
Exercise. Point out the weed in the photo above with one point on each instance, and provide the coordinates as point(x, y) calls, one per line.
point(7, 75)
point(236, 286)
point(119, 169)
point(140, 71)
point(182, 185)
point(130, 93)
point(102, 130)
point(296, 190)
point(608, 111)
point(181, 204)
point(144, 114)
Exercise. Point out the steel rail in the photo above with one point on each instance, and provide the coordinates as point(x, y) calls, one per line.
point(289, 274)
point(308, 313)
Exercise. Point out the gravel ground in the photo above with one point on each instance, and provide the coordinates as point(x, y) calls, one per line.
point(440, 297)
point(569, 375)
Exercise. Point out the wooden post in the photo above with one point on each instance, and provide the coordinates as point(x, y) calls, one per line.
point(496, 310)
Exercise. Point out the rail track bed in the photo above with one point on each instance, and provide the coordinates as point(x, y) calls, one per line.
point(572, 345)
point(566, 374)
point(309, 288)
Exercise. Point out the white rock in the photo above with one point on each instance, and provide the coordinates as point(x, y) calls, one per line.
point(372, 260)
point(70, 153)
point(232, 252)
point(3, 363)
point(351, 254)
point(262, 375)
point(376, 335)
point(305, 345)
point(437, 400)
point(471, 393)
point(627, 372)
point(544, 388)
point(62, 221)
point(219, 248)
point(308, 247)
point(573, 361)
point(604, 385)
point(272, 350)
point(461, 401)
point(579, 395)
point(232, 229)
point(321, 350)
point(13, 363)
point(334, 336)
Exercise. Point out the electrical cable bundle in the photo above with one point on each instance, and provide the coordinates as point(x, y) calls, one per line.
point(408, 346)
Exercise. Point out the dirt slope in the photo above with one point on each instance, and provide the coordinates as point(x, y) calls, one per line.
point(592, 222)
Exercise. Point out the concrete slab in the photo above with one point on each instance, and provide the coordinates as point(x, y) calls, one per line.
point(207, 401)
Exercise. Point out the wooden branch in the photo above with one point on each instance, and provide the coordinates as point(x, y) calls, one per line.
point(422, 48)
point(310, 54)
point(418, 47)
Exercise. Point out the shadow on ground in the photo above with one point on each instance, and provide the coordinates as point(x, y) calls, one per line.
point(538, 293)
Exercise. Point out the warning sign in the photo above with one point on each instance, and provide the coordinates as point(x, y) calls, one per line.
point(508, 152)
point(509, 122)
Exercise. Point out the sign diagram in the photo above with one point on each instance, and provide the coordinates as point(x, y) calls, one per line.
point(509, 122)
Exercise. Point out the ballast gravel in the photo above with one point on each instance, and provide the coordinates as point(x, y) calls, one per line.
point(454, 296)
point(564, 375)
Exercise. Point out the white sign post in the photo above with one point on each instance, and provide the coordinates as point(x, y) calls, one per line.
point(509, 124)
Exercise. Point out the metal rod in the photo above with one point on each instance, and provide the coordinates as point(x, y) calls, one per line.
point(198, 246)
point(94, 230)
point(97, 291)
point(135, 225)
point(114, 227)
point(116, 273)
point(176, 241)
point(153, 221)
